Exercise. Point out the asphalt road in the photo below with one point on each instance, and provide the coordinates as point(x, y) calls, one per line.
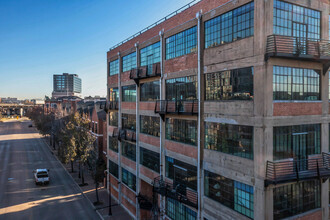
point(21, 151)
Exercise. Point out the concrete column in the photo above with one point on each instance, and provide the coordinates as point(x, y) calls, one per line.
point(162, 123)
point(325, 185)
point(119, 126)
point(137, 114)
point(325, 93)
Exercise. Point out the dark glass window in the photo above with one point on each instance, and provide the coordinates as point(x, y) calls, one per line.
point(128, 150)
point(128, 121)
point(113, 168)
point(233, 194)
point(113, 119)
point(297, 141)
point(150, 159)
point(184, 88)
point(296, 198)
point(150, 125)
point(149, 91)
point(230, 85)
point(181, 172)
point(181, 130)
point(231, 139)
point(113, 144)
point(150, 54)
point(181, 43)
point(114, 67)
point(129, 62)
point(113, 94)
point(129, 93)
point(297, 21)
point(231, 26)
point(128, 179)
point(295, 83)
point(177, 211)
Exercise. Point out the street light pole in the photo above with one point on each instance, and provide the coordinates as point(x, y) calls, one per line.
point(110, 211)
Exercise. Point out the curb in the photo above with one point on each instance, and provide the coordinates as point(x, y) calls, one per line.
point(82, 192)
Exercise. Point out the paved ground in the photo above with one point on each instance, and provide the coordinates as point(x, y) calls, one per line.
point(21, 151)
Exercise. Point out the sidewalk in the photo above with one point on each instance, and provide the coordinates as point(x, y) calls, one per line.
point(118, 212)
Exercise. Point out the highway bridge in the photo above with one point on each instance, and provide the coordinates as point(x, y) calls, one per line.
point(9, 109)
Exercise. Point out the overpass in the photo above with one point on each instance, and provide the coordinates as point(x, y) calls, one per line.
point(11, 109)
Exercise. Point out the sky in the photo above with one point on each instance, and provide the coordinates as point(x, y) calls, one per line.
point(39, 38)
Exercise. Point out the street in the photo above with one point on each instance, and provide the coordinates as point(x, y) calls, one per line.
point(22, 150)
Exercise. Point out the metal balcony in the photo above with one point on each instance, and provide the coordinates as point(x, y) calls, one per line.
point(128, 135)
point(291, 170)
point(299, 48)
point(145, 72)
point(145, 202)
point(178, 192)
point(179, 107)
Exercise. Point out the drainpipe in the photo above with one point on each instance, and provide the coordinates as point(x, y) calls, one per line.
point(119, 126)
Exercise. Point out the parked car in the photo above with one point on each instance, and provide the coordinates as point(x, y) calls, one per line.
point(41, 176)
point(30, 125)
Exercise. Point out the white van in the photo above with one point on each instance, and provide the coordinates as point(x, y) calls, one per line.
point(41, 176)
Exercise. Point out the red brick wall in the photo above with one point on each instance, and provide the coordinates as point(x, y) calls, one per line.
point(128, 105)
point(147, 172)
point(128, 162)
point(148, 139)
point(114, 182)
point(317, 215)
point(127, 192)
point(185, 62)
point(114, 192)
point(147, 106)
point(183, 149)
point(296, 109)
point(125, 77)
point(113, 80)
point(113, 155)
point(205, 5)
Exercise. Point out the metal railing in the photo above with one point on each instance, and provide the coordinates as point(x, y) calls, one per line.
point(292, 170)
point(125, 134)
point(145, 202)
point(287, 46)
point(190, 4)
point(177, 107)
point(178, 192)
point(145, 71)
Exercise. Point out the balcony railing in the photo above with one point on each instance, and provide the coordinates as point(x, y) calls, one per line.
point(125, 134)
point(145, 202)
point(178, 192)
point(145, 72)
point(297, 48)
point(291, 170)
point(184, 107)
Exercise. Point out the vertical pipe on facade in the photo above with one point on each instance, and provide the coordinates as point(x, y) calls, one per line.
point(199, 174)
point(137, 154)
point(161, 142)
point(119, 126)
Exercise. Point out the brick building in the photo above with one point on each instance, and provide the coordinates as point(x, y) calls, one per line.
point(221, 111)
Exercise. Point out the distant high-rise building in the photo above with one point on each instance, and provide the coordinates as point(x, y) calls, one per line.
point(66, 85)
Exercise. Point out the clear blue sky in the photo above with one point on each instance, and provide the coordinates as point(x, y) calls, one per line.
point(39, 38)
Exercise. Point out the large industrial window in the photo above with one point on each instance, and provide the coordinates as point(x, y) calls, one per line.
point(149, 91)
point(182, 43)
point(113, 94)
point(129, 62)
point(150, 159)
point(296, 21)
point(113, 144)
point(113, 119)
point(230, 85)
point(296, 198)
point(181, 172)
point(233, 194)
point(150, 125)
point(129, 93)
point(128, 150)
point(231, 139)
point(114, 67)
point(181, 130)
point(128, 179)
point(128, 121)
point(113, 168)
point(231, 26)
point(150, 54)
point(295, 83)
point(184, 88)
point(177, 211)
point(297, 141)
